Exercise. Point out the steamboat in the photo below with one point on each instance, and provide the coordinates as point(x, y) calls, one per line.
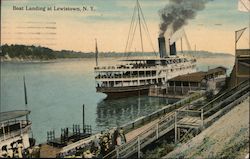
point(15, 131)
point(132, 77)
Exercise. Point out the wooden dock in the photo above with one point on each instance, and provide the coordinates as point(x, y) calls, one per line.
point(137, 127)
point(184, 117)
point(178, 116)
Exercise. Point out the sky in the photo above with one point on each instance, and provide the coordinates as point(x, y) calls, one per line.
point(108, 21)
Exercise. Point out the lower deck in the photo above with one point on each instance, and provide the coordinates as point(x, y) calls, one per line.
point(120, 92)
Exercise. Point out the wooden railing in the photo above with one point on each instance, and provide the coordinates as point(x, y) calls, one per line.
point(222, 98)
point(226, 94)
point(163, 126)
point(168, 123)
point(168, 108)
point(222, 111)
point(151, 134)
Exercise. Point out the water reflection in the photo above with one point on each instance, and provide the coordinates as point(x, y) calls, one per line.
point(117, 112)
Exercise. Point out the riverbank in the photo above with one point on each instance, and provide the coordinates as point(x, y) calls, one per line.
point(226, 138)
point(24, 53)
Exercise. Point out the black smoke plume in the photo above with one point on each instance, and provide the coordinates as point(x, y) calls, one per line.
point(177, 13)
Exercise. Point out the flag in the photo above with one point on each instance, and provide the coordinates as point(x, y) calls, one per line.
point(244, 5)
point(238, 34)
point(25, 91)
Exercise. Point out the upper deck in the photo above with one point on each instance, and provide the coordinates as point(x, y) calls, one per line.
point(144, 64)
point(11, 124)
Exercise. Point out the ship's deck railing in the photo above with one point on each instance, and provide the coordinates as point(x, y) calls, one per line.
point(139, 75)
point(123, 76)
point(141, 66)
point(13, 128)
point(123, 68)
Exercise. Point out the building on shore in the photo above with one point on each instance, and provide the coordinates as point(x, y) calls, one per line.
point(241, 69)
point(180, 86)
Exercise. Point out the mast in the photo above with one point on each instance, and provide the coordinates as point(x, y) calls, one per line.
point(139, 19)
point(96, 53)
point(25, 93)
point(25, 97)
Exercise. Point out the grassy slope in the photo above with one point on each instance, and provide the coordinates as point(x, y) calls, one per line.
point(226, 138)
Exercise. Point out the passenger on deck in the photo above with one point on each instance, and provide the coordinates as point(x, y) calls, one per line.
point(20, 150)
point(10, 152)
point(88, 154)
point(4, 151)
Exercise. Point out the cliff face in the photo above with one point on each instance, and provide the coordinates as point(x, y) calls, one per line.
point(226, 138)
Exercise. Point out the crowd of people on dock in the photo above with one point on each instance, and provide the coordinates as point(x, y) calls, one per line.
point(99, 147)
point(16, 150)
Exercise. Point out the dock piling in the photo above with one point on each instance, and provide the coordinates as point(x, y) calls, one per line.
point(83, 117)
point(139, 147)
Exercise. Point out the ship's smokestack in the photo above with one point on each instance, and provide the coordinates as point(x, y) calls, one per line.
point(172, 49)
point(162, 47)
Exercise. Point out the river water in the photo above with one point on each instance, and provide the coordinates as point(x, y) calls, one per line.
point(57, 90)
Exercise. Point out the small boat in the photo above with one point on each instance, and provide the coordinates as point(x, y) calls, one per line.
point(15, 130)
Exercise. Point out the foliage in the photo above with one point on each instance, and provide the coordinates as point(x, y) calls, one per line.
point(209, 95)
point(22, 51)
point(38, 52)
point(160, 151)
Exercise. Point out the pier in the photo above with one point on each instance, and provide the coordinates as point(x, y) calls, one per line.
point(183, 116)
point(138, 126)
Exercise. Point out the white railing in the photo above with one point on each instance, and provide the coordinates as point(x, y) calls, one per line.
point(24, 128)
point(115, 68)
point(126, 78)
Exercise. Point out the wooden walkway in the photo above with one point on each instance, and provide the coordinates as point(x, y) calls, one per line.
point(183, 117)
point(141, 137)
point(47, 151)
point(134, 133)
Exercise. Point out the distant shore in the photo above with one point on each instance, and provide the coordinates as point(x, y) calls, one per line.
point(23, 53)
